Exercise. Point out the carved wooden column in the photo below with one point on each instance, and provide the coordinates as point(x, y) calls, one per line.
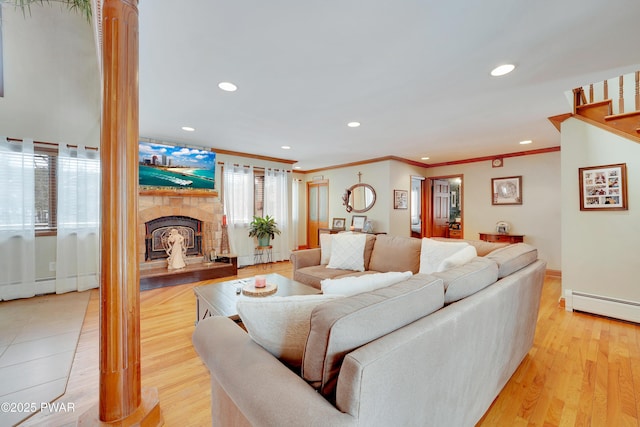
point(122, 402)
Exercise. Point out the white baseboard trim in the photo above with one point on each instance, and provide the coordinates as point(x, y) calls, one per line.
point(604, 306)
point(45, 286)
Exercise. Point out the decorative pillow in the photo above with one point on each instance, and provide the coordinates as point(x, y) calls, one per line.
point(280, 324)
point(434, 252)
point(340, 326)
point(459, 258)
point(325, 248)
point(467, 279)
point(347, 251)
point(357, 284)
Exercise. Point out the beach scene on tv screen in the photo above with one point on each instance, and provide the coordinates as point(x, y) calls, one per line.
point(167, 166)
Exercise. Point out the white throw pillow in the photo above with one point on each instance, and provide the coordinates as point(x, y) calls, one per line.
point(347, 251)
point(434, 252)
point(325, 248)
point(463, 256)
point(356, 285)
point(280, 324)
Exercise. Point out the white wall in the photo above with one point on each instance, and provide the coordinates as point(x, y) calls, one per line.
point(51, 80)
point(600, 248)
point(51, 87)
point(538, 218)
point(374, 174)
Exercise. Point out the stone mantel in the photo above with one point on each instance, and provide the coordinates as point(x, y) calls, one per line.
point(206, 208)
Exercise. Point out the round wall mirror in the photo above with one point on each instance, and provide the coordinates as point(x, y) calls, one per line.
point(362, 197)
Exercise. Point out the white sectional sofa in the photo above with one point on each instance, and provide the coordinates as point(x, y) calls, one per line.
point(432, 350)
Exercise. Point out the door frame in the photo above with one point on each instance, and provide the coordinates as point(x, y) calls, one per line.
point(428, 200)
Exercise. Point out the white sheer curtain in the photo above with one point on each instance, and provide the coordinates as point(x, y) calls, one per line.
point(276, 205)
point(78, 241)
point(295, 213)
point(238, 207)
point(17, 220)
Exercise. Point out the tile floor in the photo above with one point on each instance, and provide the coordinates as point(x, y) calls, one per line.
point(38, 338)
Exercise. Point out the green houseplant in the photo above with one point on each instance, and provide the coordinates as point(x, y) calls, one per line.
point(264, 229)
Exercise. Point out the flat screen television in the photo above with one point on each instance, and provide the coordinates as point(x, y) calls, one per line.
point(168, 166)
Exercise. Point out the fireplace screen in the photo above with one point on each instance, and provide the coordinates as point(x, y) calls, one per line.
point(157, 231)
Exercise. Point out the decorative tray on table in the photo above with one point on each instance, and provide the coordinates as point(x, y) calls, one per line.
point(250, 290)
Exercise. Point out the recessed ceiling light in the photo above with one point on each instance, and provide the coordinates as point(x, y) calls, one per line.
point(353, 124)
point(296, 167)
point(286, 147)
point(227, 86)
point(528, 141)
point(502, 70)
point(424, 158)
point(188, 128)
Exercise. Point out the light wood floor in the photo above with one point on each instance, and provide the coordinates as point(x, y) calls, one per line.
point(583, 370)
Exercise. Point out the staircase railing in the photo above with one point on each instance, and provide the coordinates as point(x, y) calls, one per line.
point(597, 92)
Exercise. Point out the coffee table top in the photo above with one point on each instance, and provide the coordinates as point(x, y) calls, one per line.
point(222, 297)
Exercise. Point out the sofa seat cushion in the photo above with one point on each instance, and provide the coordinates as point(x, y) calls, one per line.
point(341, 325)
point(513, 258)
point(395, 253)
point(313, 275)
point(467, 279)
point(436, 255)
point(352, 285)
point(280, 324)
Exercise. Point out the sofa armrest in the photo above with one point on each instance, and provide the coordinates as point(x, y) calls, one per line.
point(305, 258)
point(262, 390)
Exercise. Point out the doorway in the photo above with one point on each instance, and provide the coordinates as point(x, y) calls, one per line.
point(444, 206)
point(317, 210)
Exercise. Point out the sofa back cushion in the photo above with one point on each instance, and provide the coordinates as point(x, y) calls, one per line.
point(482, 247)
point(395, 253)
point(513, 258)
point(342, 325)
point(467, 279)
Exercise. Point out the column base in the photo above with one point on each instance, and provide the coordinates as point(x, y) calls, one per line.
point(148, 414)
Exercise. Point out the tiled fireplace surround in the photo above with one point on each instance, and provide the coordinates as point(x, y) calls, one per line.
point(207, 209)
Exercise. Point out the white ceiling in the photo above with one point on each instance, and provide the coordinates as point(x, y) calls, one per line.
point(414, 73)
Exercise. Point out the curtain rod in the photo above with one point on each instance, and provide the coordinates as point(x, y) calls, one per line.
point(50, 143)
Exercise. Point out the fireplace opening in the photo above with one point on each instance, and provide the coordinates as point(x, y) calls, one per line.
point(157, 230)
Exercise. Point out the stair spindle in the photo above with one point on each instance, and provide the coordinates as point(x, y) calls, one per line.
point(621, 97)
point(591, 93)
point(606, 89)
point(637, 90)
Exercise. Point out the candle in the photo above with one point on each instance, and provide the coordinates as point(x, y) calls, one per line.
point(260, 281)
point(224, 220)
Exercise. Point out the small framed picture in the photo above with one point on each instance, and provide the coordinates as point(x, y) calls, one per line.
point(357, 222)
point(400, 199)
point(368, 226)
point(506, 191)
point(338, 223)
point(603, 188)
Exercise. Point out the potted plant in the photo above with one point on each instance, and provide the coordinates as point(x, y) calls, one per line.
point(264, 229)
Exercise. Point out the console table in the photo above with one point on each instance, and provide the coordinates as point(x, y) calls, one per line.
point(506, 238)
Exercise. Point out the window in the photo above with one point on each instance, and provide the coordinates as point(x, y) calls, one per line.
point(258, 193)
point(45, 160)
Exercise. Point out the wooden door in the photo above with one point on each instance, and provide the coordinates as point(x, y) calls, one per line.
point(317, 210)
point(441, 203)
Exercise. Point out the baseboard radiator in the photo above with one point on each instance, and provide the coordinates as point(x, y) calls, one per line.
point(605, 306)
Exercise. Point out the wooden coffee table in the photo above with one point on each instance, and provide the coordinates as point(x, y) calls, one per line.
point(219, 299)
